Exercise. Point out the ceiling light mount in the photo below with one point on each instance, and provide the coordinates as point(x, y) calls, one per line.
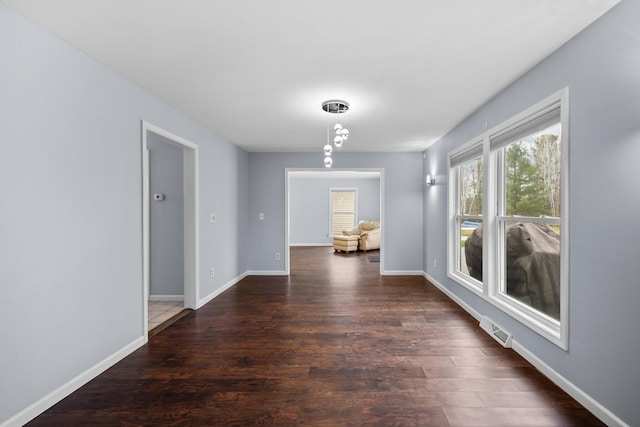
point(337, 107)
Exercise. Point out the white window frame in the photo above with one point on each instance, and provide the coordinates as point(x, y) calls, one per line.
point(355, 213)
point(468, 151)
point(555, 331)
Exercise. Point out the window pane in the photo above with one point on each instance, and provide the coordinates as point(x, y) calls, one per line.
point(343, 210)
point(470, 248)
point(532, 265)
point(470, 190)
point(343, 201)
point(532, 175)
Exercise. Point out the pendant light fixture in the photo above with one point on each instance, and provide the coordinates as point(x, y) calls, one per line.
point(340, 133)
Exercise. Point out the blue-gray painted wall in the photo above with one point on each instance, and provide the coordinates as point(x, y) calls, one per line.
point(71, 211)
point(403, 186)
point(309, 206)
point(166, 217)
point(601, 67)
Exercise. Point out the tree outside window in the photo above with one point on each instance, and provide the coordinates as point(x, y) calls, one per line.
point(531, 249)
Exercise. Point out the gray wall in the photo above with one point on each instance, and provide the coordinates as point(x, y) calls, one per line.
point(601, 66)
point(166, 217)
point(71, 211)
point(309, 206)
point(403, 188)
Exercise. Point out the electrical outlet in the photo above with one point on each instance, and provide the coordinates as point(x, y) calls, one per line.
point(277, 256)
point(261, 216)
point(435, 263)
point(212, 218)
point(213, 272)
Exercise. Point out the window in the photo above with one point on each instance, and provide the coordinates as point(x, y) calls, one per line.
point(508, 213)
point(529, 220)
point(466, 250)
point(343, 210)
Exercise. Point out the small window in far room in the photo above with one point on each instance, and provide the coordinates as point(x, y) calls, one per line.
point(343, 210)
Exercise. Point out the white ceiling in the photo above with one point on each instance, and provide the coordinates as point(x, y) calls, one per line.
point(257, 71)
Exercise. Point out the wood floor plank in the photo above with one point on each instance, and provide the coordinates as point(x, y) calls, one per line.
point(334, 344)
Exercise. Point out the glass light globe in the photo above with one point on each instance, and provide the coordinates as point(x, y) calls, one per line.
point(344, 132)
point(337, 127)
point(328, 161)
point(328, 149)
point(338, 140)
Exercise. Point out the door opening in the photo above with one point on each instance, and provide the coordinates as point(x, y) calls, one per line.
point(343, 176)
point(170, 250)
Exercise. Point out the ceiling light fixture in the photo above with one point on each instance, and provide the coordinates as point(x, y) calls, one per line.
point(340, 133)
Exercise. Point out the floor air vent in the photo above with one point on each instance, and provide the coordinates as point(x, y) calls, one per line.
point(499, 334)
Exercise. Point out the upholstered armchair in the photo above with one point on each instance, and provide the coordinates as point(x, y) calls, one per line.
point(369, 235)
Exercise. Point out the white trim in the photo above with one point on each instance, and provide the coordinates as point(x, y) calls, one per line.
point(383, 222)
point(532, 219)
point(540, 323)
point(401, 273)
point(166, 297)
point(565, 206)
point(220, 290)
point(267, 273)
point(555, 331)
point(592, 405)
point(38, 407)
point(191, 219)
point(311, 244)
point(453, 230)
point(287, 225)
point(466, 307)
point(146, 230)
point(192, 227)
point(468, 282)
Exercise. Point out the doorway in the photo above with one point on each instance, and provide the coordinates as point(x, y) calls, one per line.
point(343, 175)
point(170, 199)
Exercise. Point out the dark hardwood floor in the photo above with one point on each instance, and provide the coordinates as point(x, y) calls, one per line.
point(334, 344)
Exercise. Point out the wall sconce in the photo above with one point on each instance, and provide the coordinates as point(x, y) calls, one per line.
point(430, 181)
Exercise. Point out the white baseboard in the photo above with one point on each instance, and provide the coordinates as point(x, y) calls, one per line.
point(229, 284)
point(466, 307)
point(311, 244)
point(401, 273)
point(605, 415)
point(267, 273)
point(218, 291)
point(38, 407)
point(166, 297)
